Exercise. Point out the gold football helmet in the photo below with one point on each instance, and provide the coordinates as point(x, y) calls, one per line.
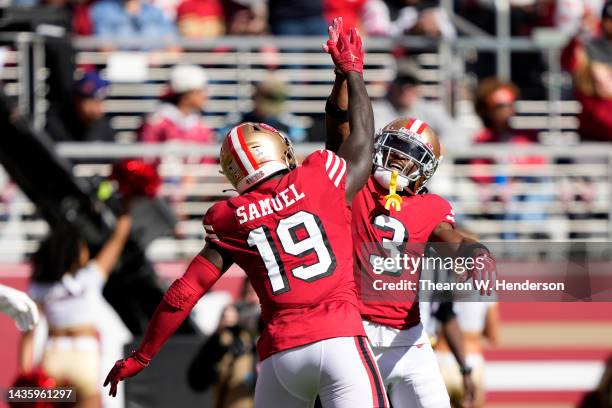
point(252, 152)
point(409, 147)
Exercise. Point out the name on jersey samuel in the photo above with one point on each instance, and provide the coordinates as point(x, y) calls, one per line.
point(261, 208)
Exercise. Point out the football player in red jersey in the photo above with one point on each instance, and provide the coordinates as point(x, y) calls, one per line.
point(407, 153)
point(288, 230)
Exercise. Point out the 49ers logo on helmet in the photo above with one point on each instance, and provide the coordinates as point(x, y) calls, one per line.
point(410, 133)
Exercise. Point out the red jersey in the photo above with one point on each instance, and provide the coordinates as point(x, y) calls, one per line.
point(409, 230)
point(167, 124)
point(290, 235)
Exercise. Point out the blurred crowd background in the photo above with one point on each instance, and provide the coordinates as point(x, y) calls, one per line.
point(519, 91)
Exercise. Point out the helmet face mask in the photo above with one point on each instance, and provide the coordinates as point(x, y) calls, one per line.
point(409, 154)
point(289, 156)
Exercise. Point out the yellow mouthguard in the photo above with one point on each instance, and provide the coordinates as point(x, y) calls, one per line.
point(392, 199)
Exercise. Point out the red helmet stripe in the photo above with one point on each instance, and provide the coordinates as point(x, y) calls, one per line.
point(246, 150)
point(421, 128)
point(416, 124)
point(235, 154)
point(410, 122)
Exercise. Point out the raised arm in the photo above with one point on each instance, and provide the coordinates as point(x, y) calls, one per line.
point(336, 114)
point(178, 301)
point(347, 54)
point(358, 148)
point(113, 247)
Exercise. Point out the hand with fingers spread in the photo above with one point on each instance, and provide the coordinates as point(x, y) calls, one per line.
point(128, 367)
point(346, 51)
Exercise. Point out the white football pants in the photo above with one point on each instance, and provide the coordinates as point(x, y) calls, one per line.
point(412, 376)
point(340, 370)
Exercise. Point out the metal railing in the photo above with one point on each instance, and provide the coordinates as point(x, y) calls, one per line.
point(554, 193)
point(234, 64)
point(23, 73)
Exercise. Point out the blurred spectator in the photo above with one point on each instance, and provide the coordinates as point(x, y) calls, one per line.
point(200, 18)
point(431, 22)
point(420, 17)
point(404, 99)
point(590, 62)
point(67, 285)
point(574, 17)
point(82, 119)
point(130, 19)
point(179, 115)
point(440, 322)
point(227, 360)
point(494, 104)
point(296, 17)
point(478, 319)
point(245, 17)
point(269, 106)
point(375, 18)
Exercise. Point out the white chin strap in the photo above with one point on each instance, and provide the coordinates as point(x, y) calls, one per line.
point(383, 177)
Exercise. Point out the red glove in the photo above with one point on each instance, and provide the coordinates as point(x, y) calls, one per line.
point(128, 367)
point(346, 52)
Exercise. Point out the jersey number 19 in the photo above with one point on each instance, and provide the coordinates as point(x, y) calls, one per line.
point(287, 233)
